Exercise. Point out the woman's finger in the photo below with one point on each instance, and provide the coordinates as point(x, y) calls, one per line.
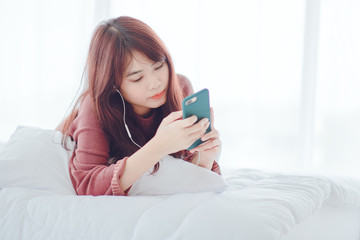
point(188, 122)
point(208, 145)
point(172, 117)
point(197, 131)
point(212, 117)
point(199, 127)
point(212, 134)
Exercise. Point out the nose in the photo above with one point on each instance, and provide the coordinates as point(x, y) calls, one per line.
point(154, 83)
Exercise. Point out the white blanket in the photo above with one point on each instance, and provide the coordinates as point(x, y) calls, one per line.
point(256, 205)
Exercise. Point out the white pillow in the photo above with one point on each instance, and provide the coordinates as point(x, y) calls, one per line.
point(177, 176)
point(34, 158)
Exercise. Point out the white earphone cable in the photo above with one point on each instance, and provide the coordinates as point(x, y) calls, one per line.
point(197, 162)
point(126, 127)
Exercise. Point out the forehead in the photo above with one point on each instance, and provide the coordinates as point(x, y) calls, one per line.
point(137, 61)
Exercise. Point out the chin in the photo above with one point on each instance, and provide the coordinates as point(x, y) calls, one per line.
point(160, 103)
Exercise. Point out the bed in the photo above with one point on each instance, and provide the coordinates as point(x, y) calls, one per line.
point(38, 201)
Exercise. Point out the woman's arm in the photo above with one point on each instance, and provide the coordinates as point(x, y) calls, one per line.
point(89, 171)
point(163, 143)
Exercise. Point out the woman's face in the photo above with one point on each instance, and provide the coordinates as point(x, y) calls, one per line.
point(145, 84)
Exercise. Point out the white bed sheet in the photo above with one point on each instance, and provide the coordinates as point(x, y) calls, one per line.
point(256, 205)
point(330, 223)
point(1, 145)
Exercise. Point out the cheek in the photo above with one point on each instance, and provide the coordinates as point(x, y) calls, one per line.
point(165, 76)
point(127, 92)
point(134, 94)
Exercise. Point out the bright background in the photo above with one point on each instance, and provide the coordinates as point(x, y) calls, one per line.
point(284, 76)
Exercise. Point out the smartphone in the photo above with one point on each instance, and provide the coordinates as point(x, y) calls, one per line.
point(197, 104)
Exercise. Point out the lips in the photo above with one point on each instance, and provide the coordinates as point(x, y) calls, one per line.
point(158, 95)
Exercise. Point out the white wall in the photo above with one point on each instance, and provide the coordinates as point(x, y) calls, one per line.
point(280, 102)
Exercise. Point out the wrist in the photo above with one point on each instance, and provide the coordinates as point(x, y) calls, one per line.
point(195, 159)
point(204, 162)
point(158, 147)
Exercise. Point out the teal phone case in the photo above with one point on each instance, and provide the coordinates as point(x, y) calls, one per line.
point(197, 104)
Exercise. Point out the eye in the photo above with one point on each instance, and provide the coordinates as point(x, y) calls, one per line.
point(159, 66)
point(137, 80)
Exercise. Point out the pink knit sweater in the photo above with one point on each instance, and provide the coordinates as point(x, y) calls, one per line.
point(89, 169)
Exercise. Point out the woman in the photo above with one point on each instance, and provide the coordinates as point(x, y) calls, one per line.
point(130, 115)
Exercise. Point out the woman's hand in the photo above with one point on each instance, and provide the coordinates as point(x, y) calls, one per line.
point(211, 148)
point(175, 134)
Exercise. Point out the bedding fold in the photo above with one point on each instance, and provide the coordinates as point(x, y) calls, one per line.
point(255, 205)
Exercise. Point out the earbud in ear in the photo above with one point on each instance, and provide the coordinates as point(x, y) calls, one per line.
point(117, 89)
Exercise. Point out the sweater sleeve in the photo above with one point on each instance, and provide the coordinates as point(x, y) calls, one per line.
point(216, 168)
point(89, 170)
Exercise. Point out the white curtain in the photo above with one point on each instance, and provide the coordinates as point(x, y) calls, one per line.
point(43, 48)
point(283, 75)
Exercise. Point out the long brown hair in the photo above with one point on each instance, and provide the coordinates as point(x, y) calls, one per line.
point(111, 49)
